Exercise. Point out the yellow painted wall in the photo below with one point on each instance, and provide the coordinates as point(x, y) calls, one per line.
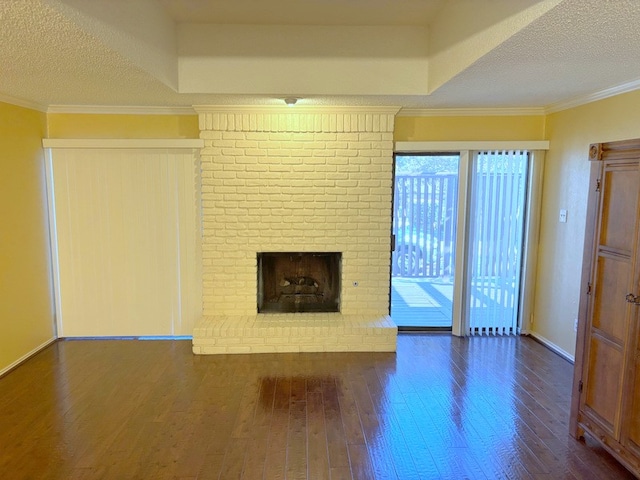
point(435, 129)
point(71, 125)
point(566, 186)
point(64, 125)
point(26, 306)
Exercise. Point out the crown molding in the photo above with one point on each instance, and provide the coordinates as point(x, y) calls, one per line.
point(455, 146)
point(122, 143)
point(470, 112)
point(294, 110)
point(19, 102)
point(120, 110)
point(593, 97)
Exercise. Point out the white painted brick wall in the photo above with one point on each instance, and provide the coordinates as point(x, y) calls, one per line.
point(300, 181)
point(295, 191)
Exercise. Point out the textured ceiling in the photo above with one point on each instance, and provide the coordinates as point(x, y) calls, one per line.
point(480, 53)
point(579, 48)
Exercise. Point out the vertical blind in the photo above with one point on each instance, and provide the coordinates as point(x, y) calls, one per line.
point(126, 222)
point(496, 229)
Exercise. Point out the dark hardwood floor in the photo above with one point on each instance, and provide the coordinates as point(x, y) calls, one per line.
point(441, 408)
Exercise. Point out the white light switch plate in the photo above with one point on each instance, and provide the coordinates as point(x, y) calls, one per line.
point(563, 216)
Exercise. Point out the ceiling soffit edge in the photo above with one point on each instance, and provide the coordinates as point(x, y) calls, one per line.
point(463, 35)
point(400, 112)
point(296, 110)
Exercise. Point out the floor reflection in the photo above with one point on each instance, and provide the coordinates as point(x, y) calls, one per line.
point(454, 397)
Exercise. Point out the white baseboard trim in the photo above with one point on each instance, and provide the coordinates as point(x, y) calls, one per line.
point(553, 347)
point(26, 356)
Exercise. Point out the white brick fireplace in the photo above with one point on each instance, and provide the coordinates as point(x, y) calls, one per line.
point(295, 180)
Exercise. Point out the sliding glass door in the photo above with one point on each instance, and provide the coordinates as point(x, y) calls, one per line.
point(480, 197)
point(424, 229)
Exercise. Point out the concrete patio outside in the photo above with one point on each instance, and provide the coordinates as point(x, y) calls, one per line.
point(421, 302)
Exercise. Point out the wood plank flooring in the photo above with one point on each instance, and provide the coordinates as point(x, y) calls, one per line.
point(441, 408)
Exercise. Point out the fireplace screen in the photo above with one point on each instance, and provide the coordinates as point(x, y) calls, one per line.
point(299, 282)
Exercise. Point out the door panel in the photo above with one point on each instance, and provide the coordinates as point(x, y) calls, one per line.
point(604, 377)
point(612, 282)
point(619, 212)
point(634, 424)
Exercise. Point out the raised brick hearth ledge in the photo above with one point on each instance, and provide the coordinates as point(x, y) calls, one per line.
point(317, 332)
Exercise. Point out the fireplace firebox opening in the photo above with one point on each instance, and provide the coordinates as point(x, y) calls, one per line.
point(292, 282)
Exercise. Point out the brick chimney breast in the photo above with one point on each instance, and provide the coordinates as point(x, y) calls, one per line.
point(296, 180)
